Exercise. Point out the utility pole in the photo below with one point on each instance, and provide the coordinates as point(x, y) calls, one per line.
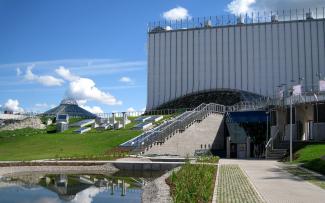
point(291, 127)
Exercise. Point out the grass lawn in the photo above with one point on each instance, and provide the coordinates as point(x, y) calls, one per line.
point(193, 183)
point(310, 157)
point(30, 144)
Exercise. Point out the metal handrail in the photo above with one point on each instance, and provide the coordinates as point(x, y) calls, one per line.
point(272, 138)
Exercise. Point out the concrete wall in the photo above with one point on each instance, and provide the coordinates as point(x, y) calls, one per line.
point(318, 131)
point(254, 58)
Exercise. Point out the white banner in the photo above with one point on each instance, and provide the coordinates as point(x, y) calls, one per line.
point(322, 85)
point(296, 90)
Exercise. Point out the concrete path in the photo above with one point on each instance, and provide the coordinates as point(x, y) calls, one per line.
point(275, 184)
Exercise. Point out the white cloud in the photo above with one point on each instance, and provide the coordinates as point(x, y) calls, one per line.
point(126, 80)
point(66, 74)
point(130, 109)
point(85, 66)
point(240, 6)
point(247, 6)
point(48, 200)
point(85, 89)
point(168, 28)
point(46, 80)
point(41, 105)
point(94, 109)
point(178, 13)
point(87, 195)
point(12, 105)
point(18, 71)
point(81, 102)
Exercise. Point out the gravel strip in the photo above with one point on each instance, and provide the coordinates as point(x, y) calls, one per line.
point(106, 168)
point(157, 190)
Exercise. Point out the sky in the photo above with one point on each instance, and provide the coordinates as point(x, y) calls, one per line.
point(94, 51)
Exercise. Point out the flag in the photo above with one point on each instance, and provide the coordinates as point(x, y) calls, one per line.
point(296, 90)
point(316, 97)
point(322, 85)
point(280, 92)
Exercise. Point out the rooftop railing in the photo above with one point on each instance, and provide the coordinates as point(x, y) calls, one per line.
point(248, 18)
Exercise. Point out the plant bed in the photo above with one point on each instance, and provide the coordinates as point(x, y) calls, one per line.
point(192, 183)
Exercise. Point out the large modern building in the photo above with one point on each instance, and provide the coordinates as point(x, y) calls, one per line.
point(214, 59)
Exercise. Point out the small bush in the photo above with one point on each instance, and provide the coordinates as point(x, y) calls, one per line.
point(208, 159)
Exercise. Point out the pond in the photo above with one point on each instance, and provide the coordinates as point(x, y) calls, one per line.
point(84, 188)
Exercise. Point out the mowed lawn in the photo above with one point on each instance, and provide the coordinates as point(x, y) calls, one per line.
point(311, 156)
point(29, 144)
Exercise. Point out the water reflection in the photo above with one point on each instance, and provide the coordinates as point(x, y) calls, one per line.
point(85, 188)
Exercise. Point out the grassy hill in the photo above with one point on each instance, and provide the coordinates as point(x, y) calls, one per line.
point(31, 144)
point(310, 156)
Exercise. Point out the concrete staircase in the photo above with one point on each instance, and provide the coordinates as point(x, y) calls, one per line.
point(276, 154)
point(200, 135)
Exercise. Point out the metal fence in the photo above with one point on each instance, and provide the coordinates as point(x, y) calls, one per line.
point(248, 18)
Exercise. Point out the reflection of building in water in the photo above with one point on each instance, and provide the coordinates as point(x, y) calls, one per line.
point(70, 187)
point(65, 186)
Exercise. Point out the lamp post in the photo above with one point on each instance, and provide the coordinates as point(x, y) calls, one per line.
point(291, 127)
point(290, 94)
point(267, 126)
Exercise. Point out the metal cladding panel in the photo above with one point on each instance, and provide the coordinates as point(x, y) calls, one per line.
point(225, 65)
point(201, 61)
point(256, 55)
point(301, 51)
point(162, 68)
point(238, 55)
point(150, 71)
point(179, 65)
point(276, 55)
point(268, 52)
point(196, 50)
point(185, 77)
point(168, 67)
point(220, 59)
point(250, 58)
point(190, 58)
point(232, 58)
point(213, 57)
point(207, 61)
point(287, 41)
point(294, 48)
point(262, 60)
point(282, 52)
point(244, 58)
point(156, 70)
point(308, 54)
point(314, 49)
point(321, 47)
point(173, 66)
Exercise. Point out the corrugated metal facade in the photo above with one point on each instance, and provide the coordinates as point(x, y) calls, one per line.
point(255, 58)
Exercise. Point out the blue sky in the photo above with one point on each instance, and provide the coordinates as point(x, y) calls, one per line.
point(50, 49)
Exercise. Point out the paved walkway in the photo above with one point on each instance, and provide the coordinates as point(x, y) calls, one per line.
point(240, 190)
point(276, 185)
